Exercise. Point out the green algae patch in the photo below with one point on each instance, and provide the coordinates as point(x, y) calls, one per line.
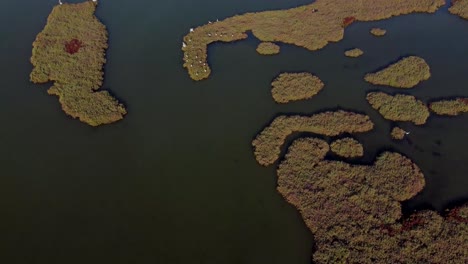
point(450, 107)
point(354, 53)
point(347, 148)
point(406, 73)
point(289, 87)
point(398, 133)
point(378, 32)
point(459, 8)
point(70, 51)
point(400, 107)
point(268, 48)
point(354, 211)
point(267, 144)
point(310, 26)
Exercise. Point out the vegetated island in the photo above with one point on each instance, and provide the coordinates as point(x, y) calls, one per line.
point(347, 148)
point(398, 133)
point(450, 107)
point(406, 73)
point(70, 51)
point(310, 26)
point(459, 8)
point(289, 87)
point(354, 53)
point(268, 48)
point(267, 144)
point(354, 211)
point(378, 32)
point(399, 107)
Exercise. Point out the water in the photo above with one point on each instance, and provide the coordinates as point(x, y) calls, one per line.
point(176, 180)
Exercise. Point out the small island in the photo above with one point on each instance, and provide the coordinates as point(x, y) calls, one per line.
point(354, 53)
point(398, 133)
point(378, 32)
point(267, 144)
point(289, 87)
point(347, 148)
point(406, 73)
point(400, 107)
point(450, 107)
point(268, 48)
point(310, 26)
point(459, 8)
point(70, 52)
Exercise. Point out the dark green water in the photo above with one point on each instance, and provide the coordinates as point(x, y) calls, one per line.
point(176, 181)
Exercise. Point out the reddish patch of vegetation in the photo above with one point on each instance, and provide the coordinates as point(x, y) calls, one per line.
point(412, 222)
point(73, 46)
point(348, 21)
point(463, 100)
point(454, 214)
point(388, 229)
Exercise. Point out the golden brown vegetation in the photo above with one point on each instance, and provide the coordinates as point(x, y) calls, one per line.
point(354, 53)
point(399, 107)
point(459, 8)
point(398, 133)
point(268, 48)
point(295, 86)
point(310, 26)
point(450, 107)
point(354, 211)
point(70, 51)
point(405, 73)
point(267, 144)
point(378, 32)
point(347, 148)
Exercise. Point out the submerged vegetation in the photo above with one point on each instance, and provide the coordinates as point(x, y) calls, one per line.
point(399, 107)
point(450, 107)
point(295, 86)
point(354, 53)
point(70, 52)
point(268, 48)
point(378, 32)
point(354, 211)
point(398, 133)
point(406, 73)
point(310, 26)
point(347, 148)
point(267, 145)
point(459, 8)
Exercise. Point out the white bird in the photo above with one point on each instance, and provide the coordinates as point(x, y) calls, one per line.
point(184, 45)
point(407, 133)
point(191, 29)
point(209, 22)
point(60, 2)
point(217, 20)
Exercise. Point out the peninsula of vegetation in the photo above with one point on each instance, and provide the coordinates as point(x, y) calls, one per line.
point(459, 8)
point(398, 133)
point(378, 32)
point(450, 107)
point(400, 107)
point(406, 73)
point(347, 148)
point(310, 26)
point(354, 53)
point(268, 48)
point(267, 145)
point(289, 87)
point(70, 52)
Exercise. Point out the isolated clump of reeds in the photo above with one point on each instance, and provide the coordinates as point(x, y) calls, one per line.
point(450, 107)
point(70, 51)
point(354, 53)
point(378, 32)
point(398, 133)
point(289, 87)
point(406, 73)
point(268, 48)
point(347, 148)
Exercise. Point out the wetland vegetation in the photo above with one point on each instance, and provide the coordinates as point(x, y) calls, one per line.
point(406, 73)
point(378, 32)
point(459, 8)
point(450, 107)
point(398, 133)
point(354, 53)
point(289, 87)
point(347, 148)
point(268, 48)
point(399, 107)
point(70, 51)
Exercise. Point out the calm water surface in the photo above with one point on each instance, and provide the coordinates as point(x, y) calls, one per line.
point(176, 181)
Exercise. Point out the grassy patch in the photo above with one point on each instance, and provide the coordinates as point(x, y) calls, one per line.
point(398, 133)
point(399, 107)
point(406, 73)
point(347, 148)
point(378, 32)
point(310, 26)
point(268, 48)
point(354, 53)
point(450, 107)
point(289, 87)
point(267, 144)
point(70, 51)
point(459, 8)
